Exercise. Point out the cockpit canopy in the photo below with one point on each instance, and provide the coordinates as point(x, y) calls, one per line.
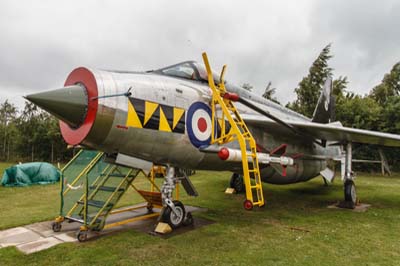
point(187, 70)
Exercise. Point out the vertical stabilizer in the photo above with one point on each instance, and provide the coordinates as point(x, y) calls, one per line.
point(324, 112)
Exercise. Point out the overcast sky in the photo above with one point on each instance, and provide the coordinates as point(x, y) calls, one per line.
point(261, 41)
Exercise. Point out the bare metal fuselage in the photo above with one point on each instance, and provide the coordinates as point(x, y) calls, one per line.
point(109, 132)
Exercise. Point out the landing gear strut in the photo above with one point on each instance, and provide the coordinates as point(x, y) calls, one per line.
point(173, 212)
point(350, 195)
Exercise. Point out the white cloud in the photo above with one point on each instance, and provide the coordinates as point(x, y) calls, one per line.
point(261, 41)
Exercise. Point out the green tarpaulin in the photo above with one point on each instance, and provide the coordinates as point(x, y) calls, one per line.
point(29, 174)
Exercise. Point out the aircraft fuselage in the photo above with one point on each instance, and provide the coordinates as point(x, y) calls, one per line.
point(156, 123)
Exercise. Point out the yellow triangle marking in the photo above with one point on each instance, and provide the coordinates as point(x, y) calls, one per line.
point(149, 109)
point(132, 119)
point(177, 116)
point(163, 122)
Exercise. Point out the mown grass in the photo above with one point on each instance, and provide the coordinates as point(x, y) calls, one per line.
point(294, 228)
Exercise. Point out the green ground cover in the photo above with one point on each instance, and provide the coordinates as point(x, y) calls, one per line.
point(294, 228)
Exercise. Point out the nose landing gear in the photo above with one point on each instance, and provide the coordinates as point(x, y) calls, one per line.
point(173, 212)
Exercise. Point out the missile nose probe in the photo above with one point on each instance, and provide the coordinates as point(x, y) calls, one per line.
point(69, 104)
point(75, 105)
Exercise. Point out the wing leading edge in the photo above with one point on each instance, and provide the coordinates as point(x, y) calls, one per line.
point(330, 132)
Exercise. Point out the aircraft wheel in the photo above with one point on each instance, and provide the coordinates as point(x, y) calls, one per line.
point(82, 236)
point(56, 227)
point(149, 208)
point(248, 205)
point(188, 219)
point(237, 183)
point(350, 195)
point(174, 220)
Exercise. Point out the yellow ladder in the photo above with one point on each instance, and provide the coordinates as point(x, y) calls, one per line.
point(238, 131)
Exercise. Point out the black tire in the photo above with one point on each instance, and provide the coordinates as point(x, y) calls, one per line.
point(56, 227)
point(188, 219)
point(237, 183)
point(170, 217)
point(82, 236)
point(149, 208)
point(350, 195)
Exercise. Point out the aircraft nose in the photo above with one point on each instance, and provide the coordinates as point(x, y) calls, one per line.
point(68, 104)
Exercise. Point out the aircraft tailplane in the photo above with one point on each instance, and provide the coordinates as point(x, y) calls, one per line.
point(325, 110)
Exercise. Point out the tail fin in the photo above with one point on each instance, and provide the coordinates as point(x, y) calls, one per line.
point(325, 110)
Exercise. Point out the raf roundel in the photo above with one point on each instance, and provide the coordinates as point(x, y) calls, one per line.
point(198, 123)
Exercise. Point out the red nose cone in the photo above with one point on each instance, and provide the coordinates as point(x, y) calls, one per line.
point(223, 154)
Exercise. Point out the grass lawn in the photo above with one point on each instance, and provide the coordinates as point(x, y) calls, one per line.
point(294, 228)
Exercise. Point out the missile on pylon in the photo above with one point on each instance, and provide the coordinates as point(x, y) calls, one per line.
point(235, 155)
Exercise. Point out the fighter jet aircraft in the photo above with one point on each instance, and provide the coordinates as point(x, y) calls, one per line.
point(165, 117)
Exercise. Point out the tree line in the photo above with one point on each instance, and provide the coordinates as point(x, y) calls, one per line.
point(30, 135)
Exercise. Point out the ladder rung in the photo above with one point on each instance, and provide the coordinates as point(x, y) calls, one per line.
point(96, 203)
point(114, 175)
point(253, 171)
point(109, 189)
point(75, 219)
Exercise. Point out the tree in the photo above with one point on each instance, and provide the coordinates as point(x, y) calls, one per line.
point(8, 114)
point(339, 89)
point(389, 87)
point(29, 125)
point(390, 122)
point(55, 142)
point(359, 112)
point(309, 88)
point(247, 86)
point(30, 134)
point(269, 93)
point(390, 117)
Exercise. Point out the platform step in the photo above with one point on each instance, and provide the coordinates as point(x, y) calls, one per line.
point(75, 218)
point(113, 175)
point(118, 175)
point(108, 189)
point(96, 203)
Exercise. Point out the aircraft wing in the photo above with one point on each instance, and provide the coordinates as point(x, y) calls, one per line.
point(330, 132)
